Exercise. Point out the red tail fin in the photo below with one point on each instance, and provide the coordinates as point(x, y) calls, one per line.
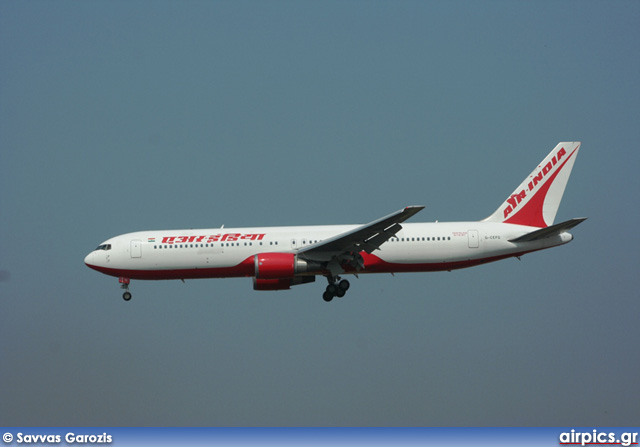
point(535, 202)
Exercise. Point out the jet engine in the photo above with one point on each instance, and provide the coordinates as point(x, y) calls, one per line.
point(282, 265)
point(277, 271)
point(281, 283)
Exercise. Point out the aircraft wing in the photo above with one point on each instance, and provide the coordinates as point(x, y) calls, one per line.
point(553, 230)
point(368, 237)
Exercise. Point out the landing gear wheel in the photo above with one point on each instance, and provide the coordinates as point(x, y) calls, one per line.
point(124, 284)
point(337, 287)
point(344, 285)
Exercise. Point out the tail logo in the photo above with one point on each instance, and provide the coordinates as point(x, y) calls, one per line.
point(535, 201)
point(516, 198)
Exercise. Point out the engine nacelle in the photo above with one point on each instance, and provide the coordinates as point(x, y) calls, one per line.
point(281, 283)
point(282, 265)
point(271, 284)
point(275, 265)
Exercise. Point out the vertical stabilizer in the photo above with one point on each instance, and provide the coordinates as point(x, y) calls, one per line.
point(535, 202)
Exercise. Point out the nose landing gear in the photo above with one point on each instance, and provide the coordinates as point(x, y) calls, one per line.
point(335, 288)
point(124, 284)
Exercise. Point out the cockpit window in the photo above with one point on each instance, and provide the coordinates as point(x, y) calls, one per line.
point(104, 247)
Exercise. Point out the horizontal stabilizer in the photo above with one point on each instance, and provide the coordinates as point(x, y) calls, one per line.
point(549, 231)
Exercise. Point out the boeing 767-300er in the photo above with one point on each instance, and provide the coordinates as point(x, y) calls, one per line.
point(280, 257)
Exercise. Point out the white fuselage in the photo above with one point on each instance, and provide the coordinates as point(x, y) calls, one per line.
point(228, 252)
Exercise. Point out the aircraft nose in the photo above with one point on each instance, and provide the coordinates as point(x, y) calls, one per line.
point(88, 260)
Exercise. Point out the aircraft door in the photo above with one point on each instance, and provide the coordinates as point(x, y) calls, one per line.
point(473, 238)
point(136, 249)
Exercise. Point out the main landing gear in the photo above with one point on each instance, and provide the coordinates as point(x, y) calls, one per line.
point(124, 284)
point(336, 287)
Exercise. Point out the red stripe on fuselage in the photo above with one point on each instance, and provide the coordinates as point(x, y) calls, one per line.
point(373, 264)
point(245, 268)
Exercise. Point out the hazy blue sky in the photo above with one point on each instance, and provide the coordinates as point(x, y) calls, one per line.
point(126, 116)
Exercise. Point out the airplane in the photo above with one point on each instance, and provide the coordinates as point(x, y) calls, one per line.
point(278, 258)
